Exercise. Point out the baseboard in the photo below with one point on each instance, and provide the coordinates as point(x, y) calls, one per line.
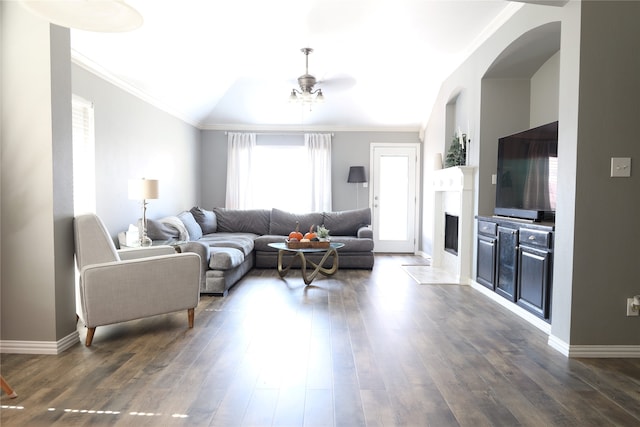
point(516, 309)
point(594, 351)
point(572, 351)
point(40, 347)
point(559, 345)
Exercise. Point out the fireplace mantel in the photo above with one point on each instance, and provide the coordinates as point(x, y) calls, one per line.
point(457, 178)
point(453, 194)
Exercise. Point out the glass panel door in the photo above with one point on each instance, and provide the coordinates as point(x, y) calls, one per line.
point(394, 189)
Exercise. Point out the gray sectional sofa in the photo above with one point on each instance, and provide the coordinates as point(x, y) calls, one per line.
point(231, 242)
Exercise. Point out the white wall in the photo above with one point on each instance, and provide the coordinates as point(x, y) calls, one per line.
point(544, 93)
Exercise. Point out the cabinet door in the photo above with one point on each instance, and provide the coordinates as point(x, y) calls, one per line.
point(534, 280)
point(507, 257)
point(486, 262)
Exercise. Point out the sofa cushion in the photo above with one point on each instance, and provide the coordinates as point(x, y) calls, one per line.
point(194, 230)
point(206, 219)
point(224, 258)
point(244, 221)
point(347, 223)
point(241, 241)
point(283, 223)
point(351, 243)
point(261, 243)
point(158, 230)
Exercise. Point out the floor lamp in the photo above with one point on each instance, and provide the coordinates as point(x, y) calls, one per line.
point(143, 189)
point(356, 175)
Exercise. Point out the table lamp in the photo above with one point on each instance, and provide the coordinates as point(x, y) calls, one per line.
point(143, 189)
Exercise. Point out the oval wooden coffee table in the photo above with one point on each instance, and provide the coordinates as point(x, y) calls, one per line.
point(332, 250)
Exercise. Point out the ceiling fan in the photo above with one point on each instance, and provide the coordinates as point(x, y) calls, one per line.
point(306, 83)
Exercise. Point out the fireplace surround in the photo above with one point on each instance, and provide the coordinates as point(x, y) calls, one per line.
point(453, 196)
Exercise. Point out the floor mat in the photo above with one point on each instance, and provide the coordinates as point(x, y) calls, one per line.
point(426, 275)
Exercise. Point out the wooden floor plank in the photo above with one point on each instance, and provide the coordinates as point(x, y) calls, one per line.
point(361, 348)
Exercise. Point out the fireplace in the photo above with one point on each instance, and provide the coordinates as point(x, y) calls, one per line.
point(451, 233)
point(453, 221)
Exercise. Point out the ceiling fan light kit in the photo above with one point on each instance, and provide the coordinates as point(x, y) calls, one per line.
point(306, 82)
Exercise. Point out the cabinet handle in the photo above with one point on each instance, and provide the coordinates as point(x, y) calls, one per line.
point(532, 237)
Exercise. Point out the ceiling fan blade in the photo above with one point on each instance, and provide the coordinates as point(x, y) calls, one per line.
point(337, 82)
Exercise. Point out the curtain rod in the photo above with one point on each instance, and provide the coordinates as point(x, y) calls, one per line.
point(293, 132)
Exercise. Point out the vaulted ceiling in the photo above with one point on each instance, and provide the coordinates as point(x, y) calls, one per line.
point(231, 64)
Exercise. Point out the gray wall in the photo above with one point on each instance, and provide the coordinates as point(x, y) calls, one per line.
point(606, 251)
point(347, 149)
point(596, 250)
point(37, 282)
point(134, 140)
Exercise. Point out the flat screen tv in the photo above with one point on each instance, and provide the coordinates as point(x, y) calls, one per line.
point(527, 175)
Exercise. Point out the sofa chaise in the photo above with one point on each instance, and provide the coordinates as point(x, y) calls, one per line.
point(231, 242)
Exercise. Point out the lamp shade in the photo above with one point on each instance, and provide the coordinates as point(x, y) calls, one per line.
point(142, 189)
point(356, 174)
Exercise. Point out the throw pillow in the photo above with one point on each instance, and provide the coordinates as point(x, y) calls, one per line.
point(254, 221)
point(347, 223)
point(283, 223)
point(206, 219)
point(194, 230)
point(158, 230)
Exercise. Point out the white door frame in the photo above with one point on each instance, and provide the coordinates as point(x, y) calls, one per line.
point(418, 180)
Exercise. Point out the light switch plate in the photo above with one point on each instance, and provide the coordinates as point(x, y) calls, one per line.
point(620, 166)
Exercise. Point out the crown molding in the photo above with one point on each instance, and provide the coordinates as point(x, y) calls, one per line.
point(308, 128)
point(94, 68)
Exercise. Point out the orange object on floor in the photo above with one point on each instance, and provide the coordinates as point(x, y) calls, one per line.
point(7, 388)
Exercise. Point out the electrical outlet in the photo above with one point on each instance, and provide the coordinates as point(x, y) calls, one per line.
point(631, 309)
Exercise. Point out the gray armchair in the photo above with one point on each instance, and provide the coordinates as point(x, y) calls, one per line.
point(112, 290)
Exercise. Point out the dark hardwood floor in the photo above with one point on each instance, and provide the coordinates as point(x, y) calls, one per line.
point(360, 348)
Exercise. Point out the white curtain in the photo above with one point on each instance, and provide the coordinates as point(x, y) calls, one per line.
point(239, 177)
point(319, 160)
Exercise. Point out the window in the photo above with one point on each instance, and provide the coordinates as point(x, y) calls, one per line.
point(84, 164)
point(281, 178)
point(287, 172)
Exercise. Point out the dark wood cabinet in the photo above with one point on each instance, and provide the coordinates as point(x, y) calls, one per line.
point(487, 261)
point(487, 252)
point(534, 272)
point(515, 259)
point(507, 262)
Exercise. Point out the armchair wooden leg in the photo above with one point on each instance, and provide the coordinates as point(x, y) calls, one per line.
point(191, 313)
point(90, 332)
point(7, 388)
